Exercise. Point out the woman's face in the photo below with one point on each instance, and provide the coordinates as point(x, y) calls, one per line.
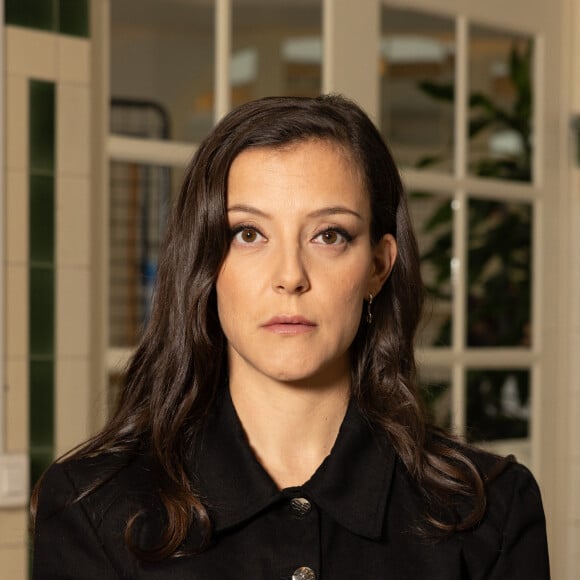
point(300, 265)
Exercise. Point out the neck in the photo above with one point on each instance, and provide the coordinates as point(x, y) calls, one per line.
point(291, 428)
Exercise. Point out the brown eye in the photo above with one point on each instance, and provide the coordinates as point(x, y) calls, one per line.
point(248, 235)
point(333, 237)
point(330, 237)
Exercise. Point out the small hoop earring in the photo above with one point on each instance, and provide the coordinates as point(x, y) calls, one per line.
point(369, 311)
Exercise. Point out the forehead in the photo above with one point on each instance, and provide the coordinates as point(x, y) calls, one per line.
point(318, 169)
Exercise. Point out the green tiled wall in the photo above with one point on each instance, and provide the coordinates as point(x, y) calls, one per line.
point(41, 299)
point(41, 312)
point(41, 229)
point(42, 128)
point(63, 16)
point(74, 17)
point(31, 13)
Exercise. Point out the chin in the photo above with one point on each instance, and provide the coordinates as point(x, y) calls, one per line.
point(308, 378)
point(291, 377)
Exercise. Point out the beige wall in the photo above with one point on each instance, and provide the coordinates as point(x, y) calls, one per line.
point(571, 17)
point(65, 61)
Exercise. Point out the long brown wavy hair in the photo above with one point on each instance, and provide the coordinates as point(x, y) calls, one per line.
point(180, 362)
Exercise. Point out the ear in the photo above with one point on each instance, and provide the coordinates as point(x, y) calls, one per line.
point(384, 257)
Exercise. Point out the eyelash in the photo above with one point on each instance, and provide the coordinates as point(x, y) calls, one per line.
point(347, 237)
point(340, 231)
point(241, 227)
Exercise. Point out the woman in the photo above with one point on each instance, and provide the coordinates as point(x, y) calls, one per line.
point(270, 425)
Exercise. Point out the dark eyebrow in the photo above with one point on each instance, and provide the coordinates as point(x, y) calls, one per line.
point(248, 209)
point(325, 211)
point(339, 209)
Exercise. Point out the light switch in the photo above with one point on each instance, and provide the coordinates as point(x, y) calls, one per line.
point(14, 480)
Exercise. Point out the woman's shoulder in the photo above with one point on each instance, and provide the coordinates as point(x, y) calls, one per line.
point(83, 469)
point(84, 504)
point(513, 527)
point(508, 537)
point(513, 493)
point(504, 479)
point(98, 480)
point(502, 476)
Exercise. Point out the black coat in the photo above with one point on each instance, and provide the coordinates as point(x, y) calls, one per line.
point(355, 518)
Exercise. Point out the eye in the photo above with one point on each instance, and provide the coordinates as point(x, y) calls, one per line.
point(333, 237)
point(246, 235)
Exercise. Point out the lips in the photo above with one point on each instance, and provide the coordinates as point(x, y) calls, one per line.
point(289, 325)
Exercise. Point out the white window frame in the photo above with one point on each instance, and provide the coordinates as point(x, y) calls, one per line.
point(552, 359)
point(462, 187)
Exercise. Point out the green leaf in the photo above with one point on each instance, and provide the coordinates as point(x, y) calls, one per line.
point(482, 101)
point(439, 91)
point(419, 195)
point(428, 160)
point(479, 124)
point(441, 215)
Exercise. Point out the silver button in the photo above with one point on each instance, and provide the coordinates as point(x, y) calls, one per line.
point(304, 573)
point(300, 506)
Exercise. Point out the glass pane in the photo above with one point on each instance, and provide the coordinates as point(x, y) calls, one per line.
point(432, 217)
point(436, 390)
point(498, 404)
point(276, 49)
point(162, 55)
point(417, 88)
point(138, 206)
point(499, 274)
point(139, 119)
point(501, 104)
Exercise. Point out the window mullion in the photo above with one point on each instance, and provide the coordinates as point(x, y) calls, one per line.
point(223, 40)
point(459, 260)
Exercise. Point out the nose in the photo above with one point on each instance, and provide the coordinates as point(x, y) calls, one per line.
point(290, 275)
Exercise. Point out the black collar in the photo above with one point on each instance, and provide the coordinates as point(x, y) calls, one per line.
point(351, 486)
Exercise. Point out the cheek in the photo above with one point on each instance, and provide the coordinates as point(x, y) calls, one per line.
point(353, 285)
point(236, 299)
point(347, 307)
point(351, 292)
point(227, 293)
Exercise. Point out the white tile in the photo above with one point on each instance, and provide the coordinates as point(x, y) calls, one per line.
point(31, 53)
point(574, 558)
point(16, 220)
point(73, 130)
point(73, 314)
point(16, 401)
point(73, 221)
point(574, 342)
point(13, 528)
point(74, 60)
point(16, 122)
point(574, 416)
point(73, 403)
point(14, 560)
point(573, 487)
point(16, 313)
point(574, 442)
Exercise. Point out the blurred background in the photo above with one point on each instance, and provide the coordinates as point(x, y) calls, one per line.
point(103, 104)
